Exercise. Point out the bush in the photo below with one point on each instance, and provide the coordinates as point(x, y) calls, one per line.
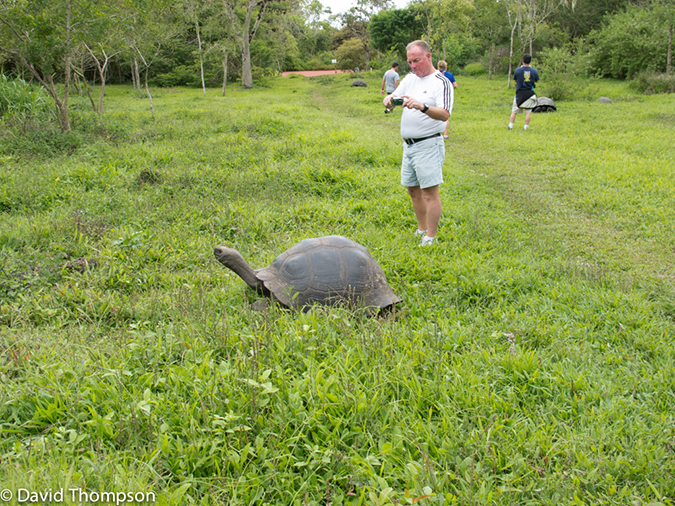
point(632, 41)
point(652, 83)
point(20, 99)
point(182, 75)
point(559, 66)
point(559, 87)
point(351, 54)
point(474, 69)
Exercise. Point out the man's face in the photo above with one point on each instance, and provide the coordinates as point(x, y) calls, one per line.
point(419, 61)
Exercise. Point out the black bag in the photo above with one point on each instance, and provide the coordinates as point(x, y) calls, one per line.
point(523, 96)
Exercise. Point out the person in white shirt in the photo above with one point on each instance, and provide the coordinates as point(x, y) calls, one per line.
point(427, 104)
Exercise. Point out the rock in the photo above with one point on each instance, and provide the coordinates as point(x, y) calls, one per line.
point(604, 100)
point(360, 83)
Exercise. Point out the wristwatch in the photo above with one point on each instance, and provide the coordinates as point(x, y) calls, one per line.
point(426, 108)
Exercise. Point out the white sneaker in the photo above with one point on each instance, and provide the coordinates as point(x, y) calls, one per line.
point(510, 127)
point(420, 233)
point(427, 241)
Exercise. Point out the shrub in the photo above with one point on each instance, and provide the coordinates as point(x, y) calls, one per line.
point(652, 83)
point(559, 87)
point(558, 65)
point(351, 54)
point(182, 75)
point(474, 69)
point(20, 99)
point(632, 41)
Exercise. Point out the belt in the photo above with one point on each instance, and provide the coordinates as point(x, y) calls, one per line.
point(410, 142)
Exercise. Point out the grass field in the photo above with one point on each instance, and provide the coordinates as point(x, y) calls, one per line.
point(530, 362)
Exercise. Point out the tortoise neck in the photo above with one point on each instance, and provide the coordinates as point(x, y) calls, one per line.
point(233, 260)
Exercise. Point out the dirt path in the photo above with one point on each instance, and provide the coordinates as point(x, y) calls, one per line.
point(312, 73)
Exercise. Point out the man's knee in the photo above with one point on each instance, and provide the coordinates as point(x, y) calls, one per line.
point(431, 193)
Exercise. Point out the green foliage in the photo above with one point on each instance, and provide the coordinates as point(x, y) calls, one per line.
point(651, 83)
point(392, 30)
point(630, 42)
point(558, 72)
point(180, 75)
point(19, 99)
point(530, 362)
point(474, 69)
point(351, 54)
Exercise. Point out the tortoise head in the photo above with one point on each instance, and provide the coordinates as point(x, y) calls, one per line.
point(233, 260)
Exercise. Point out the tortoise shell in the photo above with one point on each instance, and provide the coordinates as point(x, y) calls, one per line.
point(327, 270)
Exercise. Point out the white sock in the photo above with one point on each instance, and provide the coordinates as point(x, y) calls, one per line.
point(526, 127)
point(510, 125)
point(420, 232)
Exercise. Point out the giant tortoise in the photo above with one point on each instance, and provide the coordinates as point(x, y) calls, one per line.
point(331, 270)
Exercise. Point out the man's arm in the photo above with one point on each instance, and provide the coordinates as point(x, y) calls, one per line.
point(437, 113)
point(384, 79)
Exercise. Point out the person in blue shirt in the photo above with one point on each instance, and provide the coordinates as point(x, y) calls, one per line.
point(526, 78)
point(443, 68)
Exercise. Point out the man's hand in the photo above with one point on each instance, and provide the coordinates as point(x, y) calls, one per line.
point(437, 113)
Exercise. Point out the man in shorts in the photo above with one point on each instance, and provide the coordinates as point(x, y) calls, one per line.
point(427, 103)
point(525, 77)
point(390, 81)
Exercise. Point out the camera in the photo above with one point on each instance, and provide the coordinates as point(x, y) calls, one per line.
point(396, 101)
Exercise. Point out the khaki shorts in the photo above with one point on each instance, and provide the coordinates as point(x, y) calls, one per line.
point(422, 163)
point(529, 104)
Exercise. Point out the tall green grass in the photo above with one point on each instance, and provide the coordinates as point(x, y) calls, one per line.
point(531, 361)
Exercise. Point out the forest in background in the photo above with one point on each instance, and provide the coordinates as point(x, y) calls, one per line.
point(80, 44)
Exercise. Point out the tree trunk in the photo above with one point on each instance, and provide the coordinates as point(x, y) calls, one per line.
point(246, 71)
point(100, 102)
point(669, 66)
point(65, 121)
point(225, 72)
point(201, 57)
point(136, 75)
point(147, 90)
point(513, 31)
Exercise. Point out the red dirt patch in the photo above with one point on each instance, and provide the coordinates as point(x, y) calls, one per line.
point(312, 73)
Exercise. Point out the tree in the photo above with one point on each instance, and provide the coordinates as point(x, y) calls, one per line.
point(148, 25)
point(488, 24)
point(514, 10)
point(630, 42)
point(536, 12)
point(666, 10)
point(101, 41)
point(355, 24)
point(448, 27)
point(40, 36)
point(392, 30)
point(351, 54)
point(195, 12)
point(220, 28)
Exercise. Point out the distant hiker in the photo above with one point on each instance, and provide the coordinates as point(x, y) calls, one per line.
point(443, 67)
point(427, 104)
point(526, 78)
point(390, 79)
